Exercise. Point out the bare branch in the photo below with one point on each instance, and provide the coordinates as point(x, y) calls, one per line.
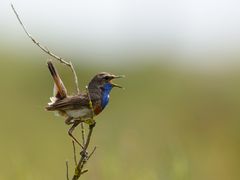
point(84, 156)
point(84, 171)
point(74, 153)
point(75, 77)
point(93, 151)
point(90, 102)
point(83, 132)
point(45, 49)
point(67, 170)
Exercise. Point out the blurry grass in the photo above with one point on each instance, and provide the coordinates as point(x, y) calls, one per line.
point(168, 124)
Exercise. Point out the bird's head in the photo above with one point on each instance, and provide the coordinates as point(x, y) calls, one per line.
point(104, 80)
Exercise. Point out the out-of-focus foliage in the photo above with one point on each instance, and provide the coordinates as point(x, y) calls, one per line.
point(168, 124)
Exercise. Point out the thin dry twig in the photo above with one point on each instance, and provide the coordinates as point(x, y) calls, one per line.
point(90, 104)
point(90, 101)
point(83, 132)
point(46, 50)
point(67, 170)
point(74, 153)
point(93, 151)
point(84, 171)
point(84, 155)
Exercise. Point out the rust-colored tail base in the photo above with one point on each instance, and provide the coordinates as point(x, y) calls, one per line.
point(59, 90)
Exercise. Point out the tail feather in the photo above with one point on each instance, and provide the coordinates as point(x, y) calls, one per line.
point(59, 90)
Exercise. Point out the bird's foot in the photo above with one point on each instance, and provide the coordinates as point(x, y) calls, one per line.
point(92, 125)
point(90, 122)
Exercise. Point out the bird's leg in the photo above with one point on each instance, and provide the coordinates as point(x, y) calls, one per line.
point(69, 121)
point(75, 124)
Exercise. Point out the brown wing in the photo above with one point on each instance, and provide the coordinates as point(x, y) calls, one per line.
point(74, 102)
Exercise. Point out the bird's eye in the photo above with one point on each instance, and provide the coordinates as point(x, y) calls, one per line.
point(107, 78)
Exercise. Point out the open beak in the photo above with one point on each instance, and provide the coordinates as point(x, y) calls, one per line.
point(116, 77)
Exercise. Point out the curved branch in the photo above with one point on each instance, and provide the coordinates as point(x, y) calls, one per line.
point(45, 49)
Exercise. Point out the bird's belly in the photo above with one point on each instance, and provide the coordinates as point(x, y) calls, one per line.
point(80, 113)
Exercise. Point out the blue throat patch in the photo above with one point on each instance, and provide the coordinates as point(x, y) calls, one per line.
point(105, 98)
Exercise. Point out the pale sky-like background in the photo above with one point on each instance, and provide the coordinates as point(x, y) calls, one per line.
point(197, 31)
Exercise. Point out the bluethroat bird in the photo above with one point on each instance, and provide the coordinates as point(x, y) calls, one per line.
point(83, 106)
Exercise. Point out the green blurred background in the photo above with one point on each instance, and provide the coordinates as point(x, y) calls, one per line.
point(174, 120)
